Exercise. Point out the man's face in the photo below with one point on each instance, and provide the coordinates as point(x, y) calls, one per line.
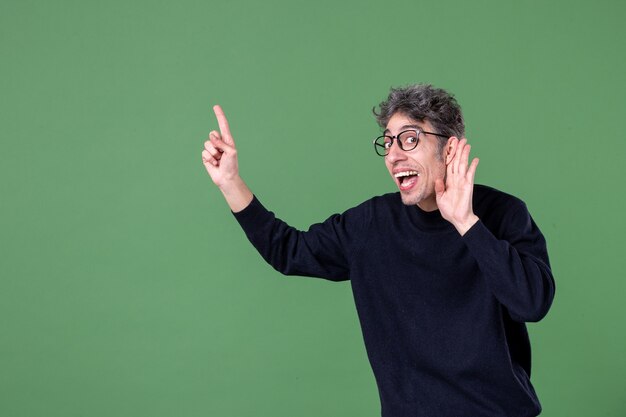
point(424, 160)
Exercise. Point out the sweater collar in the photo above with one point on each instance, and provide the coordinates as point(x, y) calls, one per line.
point(426, 220)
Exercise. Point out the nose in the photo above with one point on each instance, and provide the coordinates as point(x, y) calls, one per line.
point(395, 153)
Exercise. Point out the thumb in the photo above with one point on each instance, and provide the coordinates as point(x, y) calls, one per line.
point(439, 188)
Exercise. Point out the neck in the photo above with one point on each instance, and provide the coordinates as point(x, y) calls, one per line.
point(428, 204)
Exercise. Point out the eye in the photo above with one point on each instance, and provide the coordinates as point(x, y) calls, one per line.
point(409, 139)
point(387, 143)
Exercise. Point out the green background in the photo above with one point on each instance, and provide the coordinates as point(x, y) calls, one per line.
point(126, 287)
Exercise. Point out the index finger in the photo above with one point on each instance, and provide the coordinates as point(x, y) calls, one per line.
point(459, 154)
point(221, 120)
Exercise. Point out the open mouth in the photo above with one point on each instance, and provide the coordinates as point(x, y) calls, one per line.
point(406, 179)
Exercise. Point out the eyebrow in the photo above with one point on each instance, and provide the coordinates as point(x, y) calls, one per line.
point(405, 127)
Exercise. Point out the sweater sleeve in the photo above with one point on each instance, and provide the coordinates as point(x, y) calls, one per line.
point(323, 251)
point(515, 264)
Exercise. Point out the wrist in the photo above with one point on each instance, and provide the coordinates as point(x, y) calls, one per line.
point(230, 185)
point(462, 226)
point(237, 194)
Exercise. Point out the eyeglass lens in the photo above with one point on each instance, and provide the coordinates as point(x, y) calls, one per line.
point(407, 140)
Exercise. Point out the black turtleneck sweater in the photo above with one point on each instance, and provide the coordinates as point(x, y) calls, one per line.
point(442, 314)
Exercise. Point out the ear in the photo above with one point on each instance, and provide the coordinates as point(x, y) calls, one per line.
point(450, 149)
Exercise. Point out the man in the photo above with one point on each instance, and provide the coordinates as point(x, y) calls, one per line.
point(444, 272)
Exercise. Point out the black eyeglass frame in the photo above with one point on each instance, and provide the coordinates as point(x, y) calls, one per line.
point(386, 150)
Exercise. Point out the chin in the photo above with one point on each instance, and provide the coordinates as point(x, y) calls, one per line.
point(410, 200)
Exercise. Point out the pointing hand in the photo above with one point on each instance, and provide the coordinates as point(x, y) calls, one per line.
point(220, 155)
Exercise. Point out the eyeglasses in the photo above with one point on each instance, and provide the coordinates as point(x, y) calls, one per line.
point(407, 141)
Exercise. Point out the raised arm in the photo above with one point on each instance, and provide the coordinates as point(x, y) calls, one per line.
point(322, 251)
point(220, 160)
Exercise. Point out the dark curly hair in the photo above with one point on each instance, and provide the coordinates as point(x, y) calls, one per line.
point(423, 102)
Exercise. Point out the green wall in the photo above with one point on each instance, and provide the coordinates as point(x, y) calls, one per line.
point(127, 289)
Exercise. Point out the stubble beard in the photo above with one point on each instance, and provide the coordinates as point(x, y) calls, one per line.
point(415, 197)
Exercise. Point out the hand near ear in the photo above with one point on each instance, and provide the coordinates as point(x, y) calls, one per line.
point(454, 196)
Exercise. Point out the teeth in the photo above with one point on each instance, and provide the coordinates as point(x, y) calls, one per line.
point(406, 174)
